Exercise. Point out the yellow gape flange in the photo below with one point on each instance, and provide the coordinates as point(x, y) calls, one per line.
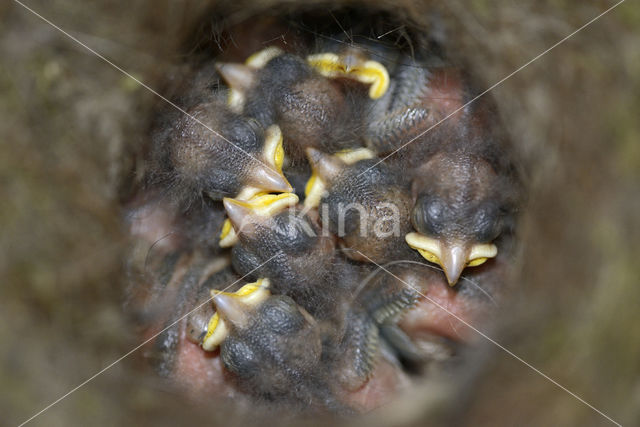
point(256, 61)
point(273, 155)
point(228, 236)
point(453, 258)
point(262, 204)
point(251, 295)
point(315, 187)
point(273, 151)
point(365, 71)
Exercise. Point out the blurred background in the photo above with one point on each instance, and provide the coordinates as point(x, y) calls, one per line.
point(69, 124)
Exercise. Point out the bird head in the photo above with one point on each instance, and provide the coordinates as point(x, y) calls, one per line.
point(217, 152)
point(273, 228)
point(233, 310)
point(276, 333)
point(462, 207)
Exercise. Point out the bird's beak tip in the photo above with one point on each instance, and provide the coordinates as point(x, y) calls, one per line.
point(236, 210)
point(452, 280)
point(325, 165)
point(454, 260)
point(230, 309)
point(271, 180)
point(238, 76)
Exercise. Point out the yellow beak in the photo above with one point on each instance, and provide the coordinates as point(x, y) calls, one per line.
point(231, 307)
point(365, 71)
point(261, 205)
point(452, 257)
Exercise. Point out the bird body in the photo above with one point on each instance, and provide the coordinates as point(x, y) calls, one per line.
point(311, 110)
point(194, 160)
point(368, 206)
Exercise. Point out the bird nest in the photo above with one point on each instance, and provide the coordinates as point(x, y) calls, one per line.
point(325, 216)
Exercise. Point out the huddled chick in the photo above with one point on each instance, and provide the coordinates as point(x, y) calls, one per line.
point(368, 206)
point(465, 182)
point(468, 191)
point(464, 210)
point(288, 246)
point(195, 160)
point(311, 110)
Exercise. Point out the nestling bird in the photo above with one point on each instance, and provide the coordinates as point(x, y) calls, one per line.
point(191, 160)
point(464, 179)
point(421, 94)
point(368, 206)
point(465, 210)
point(289, 248)
point(271, 345)
point(311, 110)
point(273, 348)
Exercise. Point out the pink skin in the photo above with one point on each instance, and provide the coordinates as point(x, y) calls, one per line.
point(153, 221)
point(442, 311)
point(386, 380)
point(445, 92)
point(437, 312)
point(201, 374)
point(434, 314)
